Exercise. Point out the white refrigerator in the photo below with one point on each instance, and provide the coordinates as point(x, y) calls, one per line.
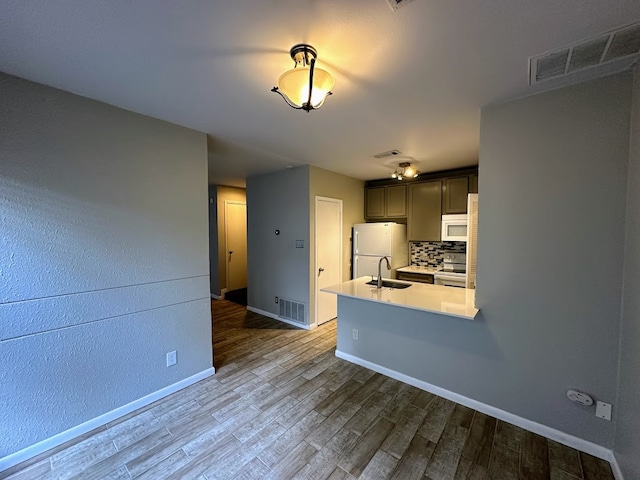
point(372, 241)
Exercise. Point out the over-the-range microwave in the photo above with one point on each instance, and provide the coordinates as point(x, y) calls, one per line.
point(454, 228)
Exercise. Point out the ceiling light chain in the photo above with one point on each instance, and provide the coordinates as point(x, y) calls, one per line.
point(304, 87)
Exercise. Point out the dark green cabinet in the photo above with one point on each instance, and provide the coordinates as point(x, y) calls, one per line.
point(425, 211)
point(454, 195)
point(385, 202)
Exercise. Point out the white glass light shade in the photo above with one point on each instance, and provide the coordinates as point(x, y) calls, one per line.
point(294, 85)
point(410, 172)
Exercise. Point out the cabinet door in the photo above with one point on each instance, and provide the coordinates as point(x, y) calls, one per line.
point(396, 201)
point(473, 183)
point(455, 192)
point(374, 202)
point(425, 217)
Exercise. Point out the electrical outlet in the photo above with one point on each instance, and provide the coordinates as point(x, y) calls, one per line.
point(603, 410)
point(276, 299)
point(354, 334)
point(172, 358)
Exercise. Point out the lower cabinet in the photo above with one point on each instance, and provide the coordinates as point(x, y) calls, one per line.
point(415, 277)
point(425, 211)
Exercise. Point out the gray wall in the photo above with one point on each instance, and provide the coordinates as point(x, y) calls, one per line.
point(214, 266)
point(103, 259)
point(552, 206)
point(551, 230)
point(627, 441)
point(278, 201)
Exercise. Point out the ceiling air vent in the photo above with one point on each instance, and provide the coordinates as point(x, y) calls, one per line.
point(620, 44)
point(390, 153)
point(396, 4)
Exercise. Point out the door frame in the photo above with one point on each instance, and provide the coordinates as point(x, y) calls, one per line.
point(226, 236)
point(315, 247)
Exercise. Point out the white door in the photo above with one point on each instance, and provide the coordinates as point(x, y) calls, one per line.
point(372, 239)
point(235, 225)
point(328, 271)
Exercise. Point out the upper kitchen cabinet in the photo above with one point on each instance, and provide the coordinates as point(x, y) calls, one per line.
point(473, 183)
point(425, 211)
point(454, 194)
point(385, 202)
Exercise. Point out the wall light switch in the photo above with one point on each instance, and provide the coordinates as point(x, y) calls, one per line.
point(299, 243)
point(603, 410)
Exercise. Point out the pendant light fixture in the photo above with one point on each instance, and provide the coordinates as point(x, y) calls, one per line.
point(304, 87)
point(405, 170)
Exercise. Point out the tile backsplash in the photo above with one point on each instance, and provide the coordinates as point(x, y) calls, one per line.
point(430, 254)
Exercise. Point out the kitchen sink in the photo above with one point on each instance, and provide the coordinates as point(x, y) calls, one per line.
point(389, 284)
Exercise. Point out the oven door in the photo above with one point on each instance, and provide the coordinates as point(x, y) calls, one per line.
point(450, 279)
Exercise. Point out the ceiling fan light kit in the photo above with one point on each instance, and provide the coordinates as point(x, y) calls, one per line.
point(304, 87)
point(405, 170)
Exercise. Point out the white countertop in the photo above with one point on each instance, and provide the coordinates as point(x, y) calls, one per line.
point(419, 269)
point(452, 301)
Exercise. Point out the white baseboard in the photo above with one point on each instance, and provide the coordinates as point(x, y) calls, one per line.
point(548, 432)
point(217, 297)
point(276, 317)
point(615, 468)
point(51, 442)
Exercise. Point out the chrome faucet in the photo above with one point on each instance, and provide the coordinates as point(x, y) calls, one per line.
point(379, 285)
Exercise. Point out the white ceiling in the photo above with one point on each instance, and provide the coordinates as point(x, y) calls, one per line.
point(412, 80)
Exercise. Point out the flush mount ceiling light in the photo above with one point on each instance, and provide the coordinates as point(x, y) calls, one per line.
point(405, 170)
point(304, 87)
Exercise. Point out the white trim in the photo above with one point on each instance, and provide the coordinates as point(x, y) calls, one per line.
point(217, 297)
point(615, 468)
point(548, 432)
point(51, 442)
point(338, 201)
point(276, 317)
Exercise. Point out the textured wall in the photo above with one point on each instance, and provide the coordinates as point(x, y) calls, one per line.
point(627, 442)
point(278, 201)
point(214, 266)
point(550, 251)
point(103, 259)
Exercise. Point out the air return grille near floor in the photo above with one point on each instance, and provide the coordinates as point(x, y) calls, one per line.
point(618, 45)
point(292, 310)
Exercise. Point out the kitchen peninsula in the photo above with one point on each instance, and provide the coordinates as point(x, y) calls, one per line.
point(404, 333)
point(449, 301)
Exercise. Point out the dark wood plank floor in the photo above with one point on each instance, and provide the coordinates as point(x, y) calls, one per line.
point(282, 406)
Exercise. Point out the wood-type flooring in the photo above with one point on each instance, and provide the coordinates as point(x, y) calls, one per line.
point(282, 406)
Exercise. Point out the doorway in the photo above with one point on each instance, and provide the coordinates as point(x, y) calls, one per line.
point(235, 227)
point(328, 261)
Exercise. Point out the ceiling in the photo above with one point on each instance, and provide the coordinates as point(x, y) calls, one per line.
point(413, 79)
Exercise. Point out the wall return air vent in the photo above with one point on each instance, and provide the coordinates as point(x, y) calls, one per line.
point(292, 310)
point(606, 49)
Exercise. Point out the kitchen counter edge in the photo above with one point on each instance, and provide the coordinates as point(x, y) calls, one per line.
point(449, 301)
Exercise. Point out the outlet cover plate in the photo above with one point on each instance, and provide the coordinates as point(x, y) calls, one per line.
point(603, 410)
point(172, 358)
